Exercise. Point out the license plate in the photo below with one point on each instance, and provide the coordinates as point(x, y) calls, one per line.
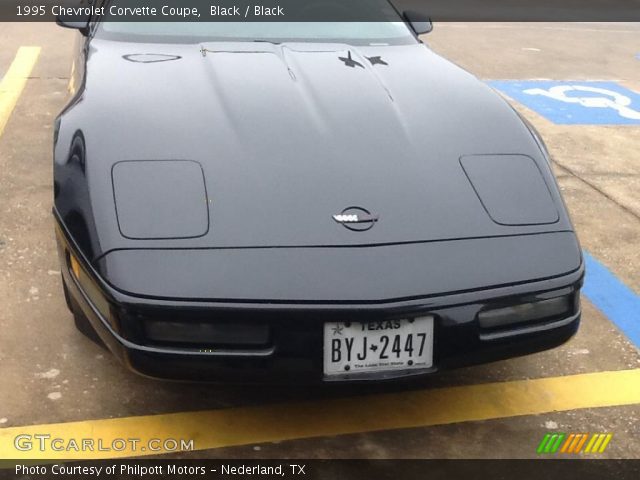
point(354, 347)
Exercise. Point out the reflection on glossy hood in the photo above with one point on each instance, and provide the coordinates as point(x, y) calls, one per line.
point(289, 135)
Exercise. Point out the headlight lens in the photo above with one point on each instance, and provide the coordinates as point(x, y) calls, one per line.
point(526, 312)
point(209, 333)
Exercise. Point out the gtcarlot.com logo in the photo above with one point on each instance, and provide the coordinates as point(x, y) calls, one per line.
point(574, 443)
point(47, 443)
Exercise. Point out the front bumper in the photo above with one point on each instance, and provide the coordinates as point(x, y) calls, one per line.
point(294, 352)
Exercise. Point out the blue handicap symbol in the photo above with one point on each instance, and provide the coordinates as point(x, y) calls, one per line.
point(575, 102)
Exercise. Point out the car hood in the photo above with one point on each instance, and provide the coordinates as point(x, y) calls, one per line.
point(289, 135)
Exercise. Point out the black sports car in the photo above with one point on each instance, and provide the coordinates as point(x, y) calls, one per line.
point(303, 202)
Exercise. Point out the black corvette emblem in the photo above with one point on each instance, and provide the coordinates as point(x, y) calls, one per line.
point(377, 61)
point(356, 218)
point(350, 62)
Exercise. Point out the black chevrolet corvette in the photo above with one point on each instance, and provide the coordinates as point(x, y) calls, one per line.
point(313, 202)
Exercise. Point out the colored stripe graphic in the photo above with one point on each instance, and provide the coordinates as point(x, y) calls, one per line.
point(590, 444)
point(605, 443)
point(556, 445)
point(613, 298)
point(596, 445)
point(581, 443)
point(574, 443)
point(567, 443)
point(543, 443)
point(550, 443)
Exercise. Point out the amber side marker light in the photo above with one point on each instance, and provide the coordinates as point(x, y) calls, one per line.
point(75, 266)
point(88, 286)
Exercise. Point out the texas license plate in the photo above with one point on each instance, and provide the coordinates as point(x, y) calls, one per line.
point(354, 347)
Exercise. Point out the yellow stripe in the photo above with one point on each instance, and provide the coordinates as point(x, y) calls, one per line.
point(605, 443)
point(582, 440)
point(250, 425)
point(14, 81)
point(599, 440)
point(590, 444)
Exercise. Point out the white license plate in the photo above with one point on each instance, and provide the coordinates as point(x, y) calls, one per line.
point(354, 347)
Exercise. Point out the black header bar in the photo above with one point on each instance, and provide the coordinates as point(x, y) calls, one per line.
point(322, 10)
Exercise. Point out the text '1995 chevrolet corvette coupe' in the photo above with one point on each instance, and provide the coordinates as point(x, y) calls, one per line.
point(303, 201)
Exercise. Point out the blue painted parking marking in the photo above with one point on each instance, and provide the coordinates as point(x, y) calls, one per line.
point(613, 298)
point(575, 102)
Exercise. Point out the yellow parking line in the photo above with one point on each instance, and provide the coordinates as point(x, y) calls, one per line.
point(250, 425)
point(14, 81)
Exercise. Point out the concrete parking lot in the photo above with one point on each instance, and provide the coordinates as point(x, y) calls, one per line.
point(54, 380)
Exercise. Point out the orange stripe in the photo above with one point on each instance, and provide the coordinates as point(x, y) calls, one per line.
point(576, 439)
point(584, 439)
point(567, 442)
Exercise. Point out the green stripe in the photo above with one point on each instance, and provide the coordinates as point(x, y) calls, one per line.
point(543, 443)
point(547, 449)
point(554, 449)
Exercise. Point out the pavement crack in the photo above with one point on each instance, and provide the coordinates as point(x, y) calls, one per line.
point(597, 189)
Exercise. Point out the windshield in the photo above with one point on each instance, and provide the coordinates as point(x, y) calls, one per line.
point(388, 27)
point(194, 32)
